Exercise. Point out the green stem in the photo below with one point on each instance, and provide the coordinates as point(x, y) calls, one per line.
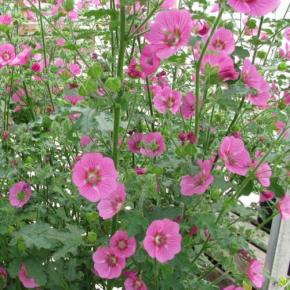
point(258, 36)
point(197, 71)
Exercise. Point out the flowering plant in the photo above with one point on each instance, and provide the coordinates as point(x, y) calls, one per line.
point(131, 131)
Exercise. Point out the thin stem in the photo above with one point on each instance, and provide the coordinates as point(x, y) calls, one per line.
point(258, 36)
point(197, 71)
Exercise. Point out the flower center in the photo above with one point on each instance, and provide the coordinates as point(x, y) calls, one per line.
point(169, 102)
point(219, 45)
point(93, 177)
point(122, 244)
point(138, 284)
point(6, 55)
point(231, 160)
point(112, 260)
point(172, 37)
point(21, 195)
point(160, 240)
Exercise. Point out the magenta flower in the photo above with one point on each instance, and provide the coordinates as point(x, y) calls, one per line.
point(3, 277)
point(222, 41)
point(255, 273)
point(187, 108)
point(149, 61)
point(254, 7)
point(25, 280)
point(284, 207)
point(167, 99)
point(162, 240)
point(85, 140)
point(134, 70)
point(20, 194)
point(60, 42)
point(153, 145)
point(75, 69)
point(233, 287)
point(133, 282)
point(6, 19)
point(140, 170)
point(235, 155)
point(95, 176)
point(74, 100)
point(263, 173)
point(266, 196)
point(287, 33)
point(112, 203)
point(22, 58)
point(168, 4)
point(107, 263)
point(134, 142)
point(197, 184)
point(123, 245)
point(7, 54)
point(224, 64)
point(200, 27)
point(169, 32)
point(259, 99)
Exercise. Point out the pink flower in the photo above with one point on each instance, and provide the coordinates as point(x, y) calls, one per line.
point(251, 77)
point(123, 245)
point(233, 287)
point(112, 203)
point(7, 54)
point(95, 176)
point(162, 240)
point(6, 19)
point(215, 8)
point(197, 184)
point(224, 64)
point(107, 263)
point(38, 67)
point(3, 277)
point(59, 62)
point(287, 33)
point(266, 196)
point(222, 41)
point(73, 15)
point(20, 194)
point(140, 170)
point(75, 69)
point(169, 32)
point(134, 142)
point(25, 280)
point(168, 4)
point(22, 58)
point(149, 61)
point(235, 155)
point(153, 145)
point(254, 7)
point(60, 42)
point(259, 99)
point(133, 282)
point(85, 140)
point(280, 125)
point(263, 173)
point(134, 70)
point(74, 100)
point(200, 27)
point(284, 207)
point(187, 108)
point(255, 273)
point(193, 231)
point(167, 99)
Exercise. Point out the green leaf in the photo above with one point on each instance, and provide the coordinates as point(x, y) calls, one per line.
point(89, 87)
point(241, 52)
point(95, 71)
point(100, 13)
point(68, 5)
point(113, 84)
point(276, 187)
point(248, 189)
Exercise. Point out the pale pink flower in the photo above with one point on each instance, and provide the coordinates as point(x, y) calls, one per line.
point(287, 33)
point(6, 19)
point(60, 42)
point(215, 8)
point(224, 64)
point(266, 196)
point(264, 36)
point(22, 58)
point(199, 183)
point(73, 15)
point(112, 203)
point(74, 100)
point(284, 207)
point(25, 280)
point(133, 282)
point(149, 61)
point(255, 273)
point(263, 173)
point(187, 108)
point(85, 140)
point(162, 240)
point(254, 7)
point(168, 4)
point(107, 263)
point(75, 69)
point(233, 287)
point(59, 62)
point(235, 155)
point(280, 125)
point(7, 54)
point(20, 194)
point(167, 99)
point(222, 41)
point(95, 176)
point(169, 32)
point(134, 142)
point(3, 277)
point(153, 145)
point(286, 98)
point(123, 245)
